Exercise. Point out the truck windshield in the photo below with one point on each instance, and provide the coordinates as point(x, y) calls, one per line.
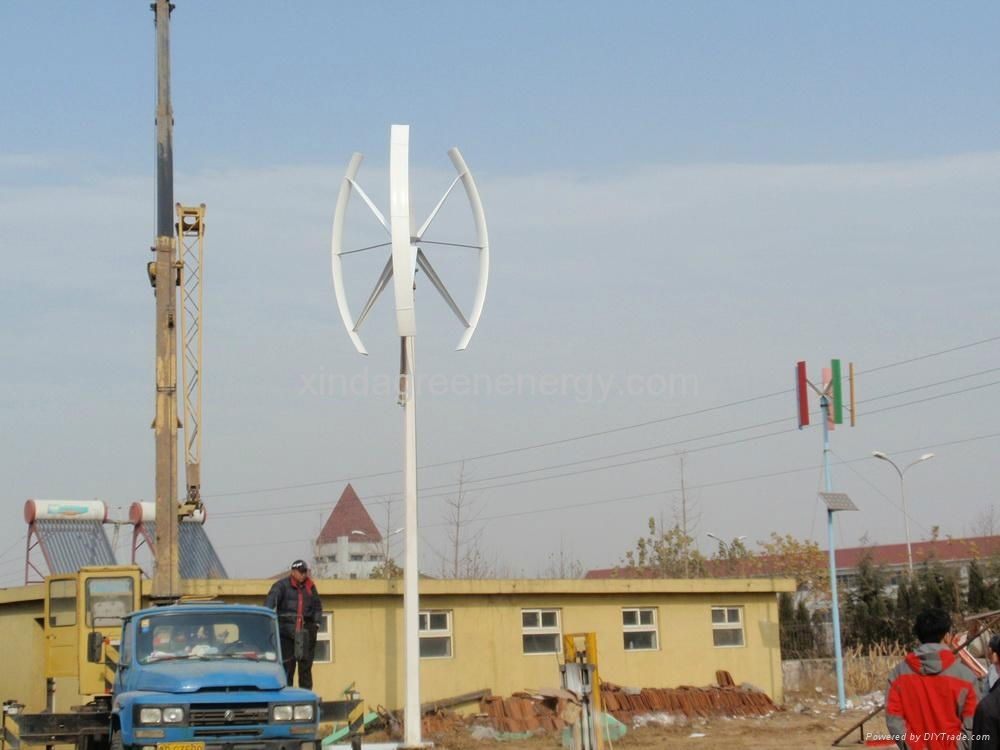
point(205, 635)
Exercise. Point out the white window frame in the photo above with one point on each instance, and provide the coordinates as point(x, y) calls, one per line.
point(640, 627)
point(426, 631)
point(540, 629)
point(729, 624)
point(325, 635)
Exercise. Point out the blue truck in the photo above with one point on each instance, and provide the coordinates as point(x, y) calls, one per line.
point(207, 677)
point(202, 676)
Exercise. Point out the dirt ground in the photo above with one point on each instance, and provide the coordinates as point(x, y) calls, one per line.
point(814, 725)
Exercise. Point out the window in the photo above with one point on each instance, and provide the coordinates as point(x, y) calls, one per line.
point(374, 558)
point(189, 634)
point(357, 558)
point(639, 629)
point(125, 655)
point(62, 603)
point(435, 635)
point(727, 626)
point(324, 640)
point(108, 601)
point(540, 631)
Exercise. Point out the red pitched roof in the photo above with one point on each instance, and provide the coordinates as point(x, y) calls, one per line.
point(349, 515)
point(940, 549)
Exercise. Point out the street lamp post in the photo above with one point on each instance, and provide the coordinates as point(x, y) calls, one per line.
point(902, 497)
point(726, 550)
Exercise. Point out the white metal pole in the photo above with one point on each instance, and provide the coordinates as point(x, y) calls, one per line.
point(411, 591)
point(838, 655)
point(906, 523)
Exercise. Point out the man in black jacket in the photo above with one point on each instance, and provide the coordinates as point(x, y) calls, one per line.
point(299, 615)
point(986, 723)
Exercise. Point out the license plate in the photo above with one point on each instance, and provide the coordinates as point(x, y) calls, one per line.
point(181, 746)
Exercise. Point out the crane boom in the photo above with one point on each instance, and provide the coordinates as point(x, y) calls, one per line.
point(191, 249)
point(164, 275)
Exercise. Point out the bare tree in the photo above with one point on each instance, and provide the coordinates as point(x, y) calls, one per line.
point(562, 564)
point(686, 517)
point(465, 556)
point(986, 522)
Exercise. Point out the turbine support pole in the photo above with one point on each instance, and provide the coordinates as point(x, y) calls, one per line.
point(411, 575)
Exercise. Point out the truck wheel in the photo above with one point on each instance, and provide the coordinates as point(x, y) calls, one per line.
point(116, 740)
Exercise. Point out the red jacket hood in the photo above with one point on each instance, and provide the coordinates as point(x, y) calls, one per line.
point(930, 658)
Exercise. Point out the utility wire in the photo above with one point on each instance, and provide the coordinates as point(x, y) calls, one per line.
point(665, 491)
point(388, 498)
point(703, 437)
point(598, 433)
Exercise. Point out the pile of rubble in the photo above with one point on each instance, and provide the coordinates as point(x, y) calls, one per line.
point(545, 710)
point(688, 702)
point(551, 710)
point(440, 722)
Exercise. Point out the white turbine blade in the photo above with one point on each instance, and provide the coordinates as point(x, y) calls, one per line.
point(372, 206)
point(425, 265)
point(337, 247)
point(434, 213)
point(380, 285)
point(482, 239)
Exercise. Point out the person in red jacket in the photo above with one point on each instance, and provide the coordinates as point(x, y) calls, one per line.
point(932, 696)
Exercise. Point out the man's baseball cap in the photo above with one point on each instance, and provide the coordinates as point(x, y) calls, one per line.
point(300, 565)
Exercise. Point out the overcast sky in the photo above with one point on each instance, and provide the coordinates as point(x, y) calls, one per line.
point(684, 199)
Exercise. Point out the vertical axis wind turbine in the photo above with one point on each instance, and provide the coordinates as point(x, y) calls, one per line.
point(405, 257)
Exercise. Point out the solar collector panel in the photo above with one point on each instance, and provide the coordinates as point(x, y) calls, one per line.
point(198, 558)
point(69, 545)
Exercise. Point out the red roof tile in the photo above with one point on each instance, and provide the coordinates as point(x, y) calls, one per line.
point(349, 515)
point(940, 549)
point(882, 554)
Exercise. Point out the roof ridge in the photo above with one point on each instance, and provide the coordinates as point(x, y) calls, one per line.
point(349, 518)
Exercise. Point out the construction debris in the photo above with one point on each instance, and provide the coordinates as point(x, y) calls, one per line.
point(551, 710)
point(437, 723)
point(543, 711)
point(685, 701)
point(457, 700)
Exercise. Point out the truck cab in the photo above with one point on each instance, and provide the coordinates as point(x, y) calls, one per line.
point(207, 677)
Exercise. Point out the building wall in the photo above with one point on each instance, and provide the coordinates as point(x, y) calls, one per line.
point(367, 643)
point(21, 632)
point(487, 634)
point(333, 560)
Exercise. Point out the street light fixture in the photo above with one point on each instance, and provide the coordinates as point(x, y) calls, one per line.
point(365, 533)
point(902, 494)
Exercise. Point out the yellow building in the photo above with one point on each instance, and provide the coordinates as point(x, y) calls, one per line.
point(504, 635)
